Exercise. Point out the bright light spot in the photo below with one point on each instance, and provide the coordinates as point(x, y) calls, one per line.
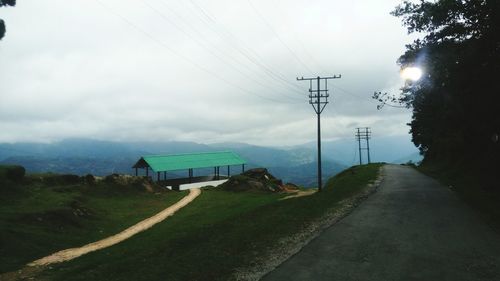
point(411, 73)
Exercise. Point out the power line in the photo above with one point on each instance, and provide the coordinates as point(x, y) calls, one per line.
point(269, 26)
point(201, 44)
point(183, 57)
point(311, 57)
point(243, 49)
point(203, 11)
point(349, 92)
point(202, 36)
point(318, 98)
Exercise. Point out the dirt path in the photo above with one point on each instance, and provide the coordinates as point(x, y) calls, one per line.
point(69, 254)
point(300, 194)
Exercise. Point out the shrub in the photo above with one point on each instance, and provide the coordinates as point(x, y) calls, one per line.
point(70, 179)
point(112, 179)
point(89, 179)
point(54, 179)
point(14, 172)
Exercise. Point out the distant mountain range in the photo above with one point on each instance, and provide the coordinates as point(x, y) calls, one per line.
point(392, 149)
point(292, 164)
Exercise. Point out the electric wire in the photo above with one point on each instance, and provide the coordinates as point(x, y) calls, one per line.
point(246, 51)
point(203, 11)
point(220, 58)
point(311, 57)
point(200, 37)
point(213, 22)
point(270, 27)
point(349, 92)
point(183, 57)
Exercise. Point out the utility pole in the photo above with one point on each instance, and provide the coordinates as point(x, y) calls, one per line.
point(358, 137)
point(363, 135)
point(367, 136)
point(318, 98)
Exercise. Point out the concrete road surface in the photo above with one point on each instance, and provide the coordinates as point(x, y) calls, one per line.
point(411, 229)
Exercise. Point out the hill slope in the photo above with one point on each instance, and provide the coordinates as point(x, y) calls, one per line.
point(218, 235)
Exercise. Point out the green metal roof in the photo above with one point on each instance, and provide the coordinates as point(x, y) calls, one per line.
point(161, 163)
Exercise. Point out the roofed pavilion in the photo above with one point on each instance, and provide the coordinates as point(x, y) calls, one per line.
point(189, 161)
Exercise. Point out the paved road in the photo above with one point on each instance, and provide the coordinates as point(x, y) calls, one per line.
point(411, 229)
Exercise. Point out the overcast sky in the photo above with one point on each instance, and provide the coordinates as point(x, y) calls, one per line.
point(197, 70)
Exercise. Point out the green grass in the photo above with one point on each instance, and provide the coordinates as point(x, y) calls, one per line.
point(215, 234)
point(37, 219)
point(471, 188)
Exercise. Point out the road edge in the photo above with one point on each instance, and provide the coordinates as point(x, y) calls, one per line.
point(290, 246)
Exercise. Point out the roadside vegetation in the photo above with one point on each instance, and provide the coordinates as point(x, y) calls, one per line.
point(217, 233)
point(473, 187)
point(455, 120)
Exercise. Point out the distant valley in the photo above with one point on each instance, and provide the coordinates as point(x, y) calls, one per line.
point(295, 164)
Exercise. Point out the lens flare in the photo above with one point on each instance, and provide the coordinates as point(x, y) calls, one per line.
point(411, 73)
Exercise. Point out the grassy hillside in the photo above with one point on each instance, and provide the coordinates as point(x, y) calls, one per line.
point(217, 233)
point(38, 218)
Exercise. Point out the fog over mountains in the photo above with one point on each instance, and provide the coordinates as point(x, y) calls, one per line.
point(295, 164)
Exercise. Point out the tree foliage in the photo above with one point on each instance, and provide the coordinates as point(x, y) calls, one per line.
point(2, 29)
point(7, 3)
point(456, 105)
point(2, 23)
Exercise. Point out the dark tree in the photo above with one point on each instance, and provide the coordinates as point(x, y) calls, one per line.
point(7, 3)
point(456, 104)
point(2, 23)
point(2, 29)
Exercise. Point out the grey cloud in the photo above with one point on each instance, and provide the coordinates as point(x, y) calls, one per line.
point(75, 69)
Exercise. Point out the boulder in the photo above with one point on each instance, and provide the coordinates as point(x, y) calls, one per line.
point(258, 179)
